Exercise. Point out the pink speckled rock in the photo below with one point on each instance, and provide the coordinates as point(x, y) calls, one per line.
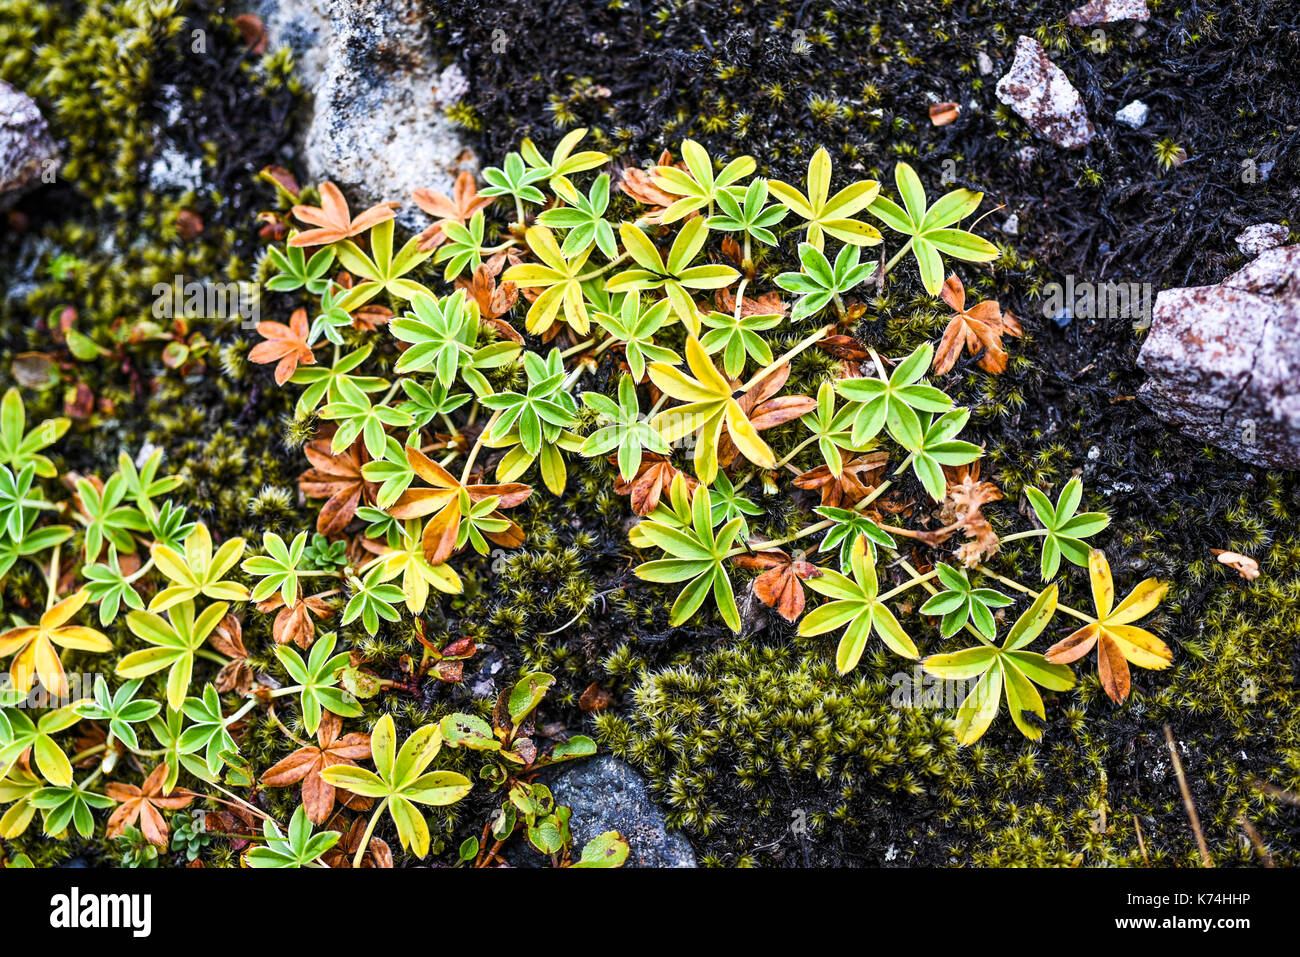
point(1043, 95)
point(1109, 11)
point(1224, 361)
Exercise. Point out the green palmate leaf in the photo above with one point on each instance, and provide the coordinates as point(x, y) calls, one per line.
point(317, 679)
point(356, 415)
point(545, 402)
point(1066, 527)
point(937, 447)
point(560, 275)
point(960, 602)
point(697, 186)
point(928, 228)
point(198, 572)
point(833, 430)
point(826, 215)
point(169, 730)
point(332, 318)
point(29, 542)
point(738, 338)
point(119, 710)
point(169, 525)
point(694, 554)
point(208, 733)
point(848, 528)
point(400, 780)
point(443, 336)
point(381, 271)
point(855, 604)
point(297, 271)
point(322, 381)
point(299, 848)
point(107, 585)
point(622, 428)
point(726, 503)
point(462, 249)
point(748, 215)
point(174, 642)
point(676, 274)
point(1009, 667)
point(424, 403)
point(279, 568)
point(15, 500)
point(372, 600)
point(23, 734)
point(893, 402)
point(20, 448)
point(585, 221)
point(512, 178)
point(61, 806)
point(563, 162)
point(635, 326)
point(820, 284)
point(143, 484)
point(107, 519)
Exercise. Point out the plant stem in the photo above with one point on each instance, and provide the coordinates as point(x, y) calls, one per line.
point(896, 257)
point(603, 269)
point(1018, 535)
point(1029, 591)
point(786, 357)
point(365, 838)
point(473, 452)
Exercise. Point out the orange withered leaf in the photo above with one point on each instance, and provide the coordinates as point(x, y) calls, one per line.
point(142, 804)
point(765, 409)
point(639, 185)
point(336, 478)
point(858, 476)
point(307, 763)
point(655, 474)
point(442, 502)
point(228, 640)
point(285, 345)
point(780, 585)
point(979, 327)
point(334, 220)
point(494, 300)
point(378, 854)
point(463, 203)
point(294, 622)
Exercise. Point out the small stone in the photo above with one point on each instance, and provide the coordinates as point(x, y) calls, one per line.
point(1223, 361)
point(1094, 453)
point(985, 63)
point(607, 794)
point(1038, 90)
point(1255, 239)
point(174, 170)
point(1109, 11)
point(1134, 114)
point(1012, 225)
point(28, 153)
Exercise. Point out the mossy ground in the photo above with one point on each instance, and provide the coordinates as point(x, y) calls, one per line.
point(744, 737)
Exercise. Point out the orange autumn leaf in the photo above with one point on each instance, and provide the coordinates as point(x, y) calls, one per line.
point(780, 585)
point(333, 218)
point(463, 203)
point(307, 763)
point(979, 327)
point(338, 479)
point(655, 474)
point(285, 345)
point(142, 804)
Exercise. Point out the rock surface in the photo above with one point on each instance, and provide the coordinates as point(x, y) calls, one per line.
point(378, 131)
point(1255, 239)
point(1109, 11)
point(608, 795)
point(301, 25)
point(27, 151)
point(1224, 361)
point(1038, 90)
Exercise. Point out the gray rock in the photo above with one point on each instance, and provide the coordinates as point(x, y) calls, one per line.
point(1134, 114)
point(28, 153)
point(1109, 11)
point(1255, 239)
point(1038, 90)
point(1224, 361)
point(378, 131)
point(301, 25)
point(608, 795)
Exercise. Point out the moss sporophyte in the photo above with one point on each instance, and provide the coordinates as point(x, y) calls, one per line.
point(654, 341)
